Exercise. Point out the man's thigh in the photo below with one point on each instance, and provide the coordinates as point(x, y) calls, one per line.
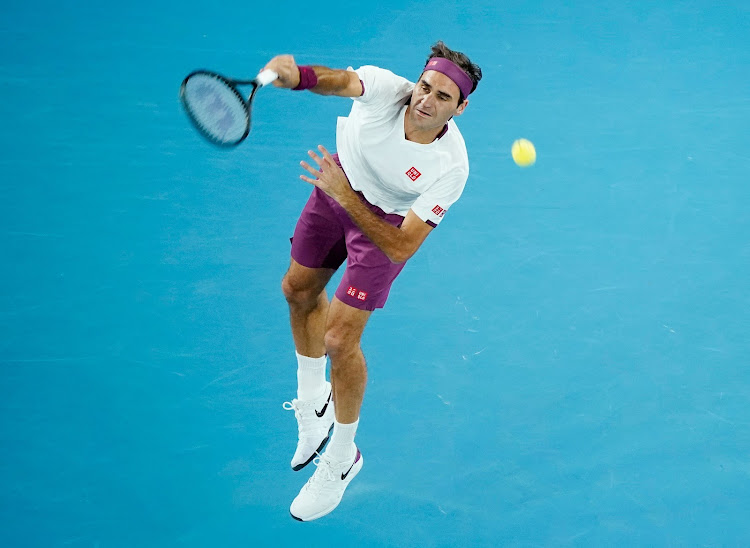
point(318, 240)
point(302, 278)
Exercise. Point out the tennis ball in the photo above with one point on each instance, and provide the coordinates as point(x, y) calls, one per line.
point(524, 153)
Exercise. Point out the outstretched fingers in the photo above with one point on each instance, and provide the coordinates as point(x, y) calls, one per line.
point(317, 159)
point(312, 170)
point(324, 162)
point(326, 154)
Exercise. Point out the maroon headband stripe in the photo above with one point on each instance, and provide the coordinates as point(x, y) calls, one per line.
point(452, 71)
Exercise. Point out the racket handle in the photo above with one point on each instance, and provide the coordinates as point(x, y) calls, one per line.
point(265, 77)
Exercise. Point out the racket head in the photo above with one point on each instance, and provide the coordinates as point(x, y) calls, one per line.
point(216, 108)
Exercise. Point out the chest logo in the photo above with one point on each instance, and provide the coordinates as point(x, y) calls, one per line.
point(413, 174)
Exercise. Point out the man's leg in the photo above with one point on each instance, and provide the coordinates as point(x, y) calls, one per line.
point(341, 461)
point(304, 289)
point(343, 334)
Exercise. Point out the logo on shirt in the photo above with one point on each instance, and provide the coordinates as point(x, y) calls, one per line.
point(439, 211)
point(354, 292)
point(413, 174)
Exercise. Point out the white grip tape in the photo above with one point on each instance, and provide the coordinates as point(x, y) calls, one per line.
point(265, 77)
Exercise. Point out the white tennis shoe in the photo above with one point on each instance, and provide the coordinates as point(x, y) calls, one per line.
point(323, 491)
point(314, 425)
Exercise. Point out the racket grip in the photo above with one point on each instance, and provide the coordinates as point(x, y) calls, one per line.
point(265, 77)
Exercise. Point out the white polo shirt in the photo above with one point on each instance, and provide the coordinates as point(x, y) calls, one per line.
point(392, 172)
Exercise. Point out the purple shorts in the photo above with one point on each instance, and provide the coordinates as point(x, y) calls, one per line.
point(325, 235)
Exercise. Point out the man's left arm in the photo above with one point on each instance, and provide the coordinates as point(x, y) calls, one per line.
point(398, 243)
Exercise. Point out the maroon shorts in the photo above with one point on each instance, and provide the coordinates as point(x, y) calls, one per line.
point(325, 235)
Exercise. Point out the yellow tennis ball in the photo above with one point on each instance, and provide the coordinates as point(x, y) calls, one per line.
point(524, 153)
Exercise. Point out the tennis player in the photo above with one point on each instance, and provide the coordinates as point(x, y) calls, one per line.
point(401, 164)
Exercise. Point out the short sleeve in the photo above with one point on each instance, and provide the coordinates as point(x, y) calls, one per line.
point(381, 87)
point(432, 204)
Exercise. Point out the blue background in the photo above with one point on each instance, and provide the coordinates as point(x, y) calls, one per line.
point(563, 363)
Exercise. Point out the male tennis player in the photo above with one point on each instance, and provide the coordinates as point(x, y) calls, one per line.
point(401, 164)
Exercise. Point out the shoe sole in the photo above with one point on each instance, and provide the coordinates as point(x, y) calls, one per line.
point(352, 475)
point(315, 453)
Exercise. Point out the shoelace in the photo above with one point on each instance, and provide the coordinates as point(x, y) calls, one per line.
point(324, 472)
point(303, 419)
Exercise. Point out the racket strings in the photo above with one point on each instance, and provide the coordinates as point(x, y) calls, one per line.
point(216, 108)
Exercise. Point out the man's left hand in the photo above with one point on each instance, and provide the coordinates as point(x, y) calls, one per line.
point(330, 178)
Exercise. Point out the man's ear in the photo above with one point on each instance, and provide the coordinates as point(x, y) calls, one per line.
point(460, 108)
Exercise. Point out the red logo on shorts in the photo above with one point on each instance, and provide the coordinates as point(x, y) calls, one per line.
point(439, 211)
point(354, 292)
point(413, 174)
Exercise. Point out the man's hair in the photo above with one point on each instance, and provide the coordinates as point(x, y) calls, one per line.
point(472, 70)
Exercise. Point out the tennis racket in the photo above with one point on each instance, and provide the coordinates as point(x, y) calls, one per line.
point(216, 107)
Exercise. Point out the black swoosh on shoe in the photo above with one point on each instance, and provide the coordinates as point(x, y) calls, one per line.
point(343, 476)
point(323, 411)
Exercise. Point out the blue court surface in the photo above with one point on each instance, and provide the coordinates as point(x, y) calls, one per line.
point(563, 363)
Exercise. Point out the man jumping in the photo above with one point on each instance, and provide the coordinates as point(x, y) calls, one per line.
point(401, 164)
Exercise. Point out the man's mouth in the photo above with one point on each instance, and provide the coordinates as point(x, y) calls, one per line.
point(422, 113)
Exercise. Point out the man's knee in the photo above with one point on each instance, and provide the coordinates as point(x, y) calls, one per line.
point(340, 341)
point(297, 291)
point(302, 285)
point(344, 329)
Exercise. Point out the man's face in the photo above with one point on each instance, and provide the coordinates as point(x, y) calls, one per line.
point(434, 101)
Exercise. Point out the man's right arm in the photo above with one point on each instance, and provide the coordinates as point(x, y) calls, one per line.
point(343, 83)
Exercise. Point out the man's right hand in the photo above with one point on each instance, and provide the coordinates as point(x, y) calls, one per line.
point(287, 70)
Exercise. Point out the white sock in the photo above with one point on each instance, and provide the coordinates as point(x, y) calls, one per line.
point(341, 445)
point(311, 376)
